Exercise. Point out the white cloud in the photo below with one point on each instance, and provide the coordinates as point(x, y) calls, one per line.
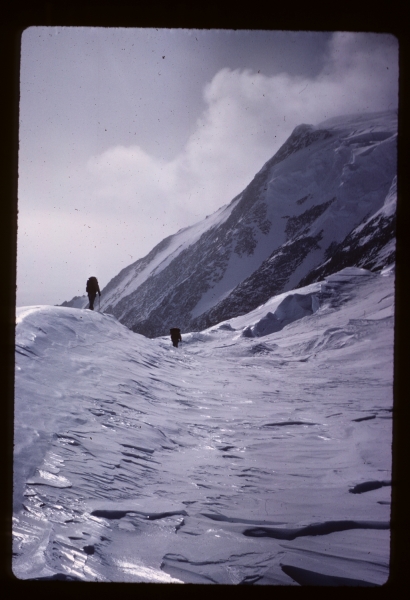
point(248, 116)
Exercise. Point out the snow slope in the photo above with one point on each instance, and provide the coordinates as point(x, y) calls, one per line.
point(130, 278)
point(244, 456)
point(371, 245)
point(296, 215)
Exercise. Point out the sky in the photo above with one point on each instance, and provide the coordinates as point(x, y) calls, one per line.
point(128, 135)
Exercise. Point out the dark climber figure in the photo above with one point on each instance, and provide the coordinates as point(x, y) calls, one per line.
point(175, 336)
point(92, 289)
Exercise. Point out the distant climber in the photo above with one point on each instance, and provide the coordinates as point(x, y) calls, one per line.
point(175, 336)
point(92, 289)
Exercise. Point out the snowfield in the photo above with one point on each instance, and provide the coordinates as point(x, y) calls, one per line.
point(257, 452)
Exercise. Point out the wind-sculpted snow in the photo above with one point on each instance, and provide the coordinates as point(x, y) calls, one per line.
point(305, 577)
point(292, 308)
point(230, 459)
point(368, 486)
point(315, 529)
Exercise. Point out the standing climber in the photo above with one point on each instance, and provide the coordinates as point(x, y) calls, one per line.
point(175, 336)
point(92, 289)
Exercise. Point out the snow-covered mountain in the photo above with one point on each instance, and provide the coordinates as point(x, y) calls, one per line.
point(371, 245)
point(258, 452)
point(77, 302)
point(325, 200)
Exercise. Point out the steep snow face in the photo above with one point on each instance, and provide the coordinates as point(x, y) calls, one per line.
point(321, 184)
point(232, 459)
point(371, 245)
point(353, 169)
point(130, 278)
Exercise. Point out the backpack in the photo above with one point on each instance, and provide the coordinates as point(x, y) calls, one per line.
point(92, 285)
